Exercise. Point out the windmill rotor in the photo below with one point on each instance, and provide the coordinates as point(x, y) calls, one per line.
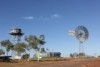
point(81, 33)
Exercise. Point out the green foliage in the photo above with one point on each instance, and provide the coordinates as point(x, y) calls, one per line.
point(71, 55)
point(1, 52)
point(34, 42)
point(43, 50)
point(25, 56)
point(81, 54)
point(20, 47)
point(41, 40)
point(74, 55)
point(7, 44)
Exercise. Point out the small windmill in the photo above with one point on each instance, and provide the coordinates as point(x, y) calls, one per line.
point(82, 35)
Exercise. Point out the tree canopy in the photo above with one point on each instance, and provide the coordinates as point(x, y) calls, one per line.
point(34, 42)
point(7, 44)
point(20, 47)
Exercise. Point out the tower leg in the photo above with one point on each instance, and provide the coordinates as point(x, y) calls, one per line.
point(81, 50)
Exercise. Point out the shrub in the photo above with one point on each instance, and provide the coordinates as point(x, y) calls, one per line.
point(25, 56)
point(1, 52)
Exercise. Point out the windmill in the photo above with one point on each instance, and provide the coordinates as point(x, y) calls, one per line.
point(82, 35)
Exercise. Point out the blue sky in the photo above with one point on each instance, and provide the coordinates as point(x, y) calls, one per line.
point(53, 18)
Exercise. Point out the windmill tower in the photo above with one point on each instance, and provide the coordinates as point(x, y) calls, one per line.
point(82, 35)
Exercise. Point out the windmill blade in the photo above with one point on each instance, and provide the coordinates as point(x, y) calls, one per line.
point(81, 33)
point(71, 32)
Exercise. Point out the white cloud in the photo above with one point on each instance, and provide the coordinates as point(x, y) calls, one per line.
point(55, 16)
point(49, 18)
point(44, 18)
point(29, 18)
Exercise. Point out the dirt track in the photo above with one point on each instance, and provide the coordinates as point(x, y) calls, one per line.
point(67, 63)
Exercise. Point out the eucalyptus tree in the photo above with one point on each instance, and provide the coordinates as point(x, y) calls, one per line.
point(7, 44)
point(34, 42)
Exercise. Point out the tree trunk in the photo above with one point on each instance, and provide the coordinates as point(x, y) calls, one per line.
point(7, 53)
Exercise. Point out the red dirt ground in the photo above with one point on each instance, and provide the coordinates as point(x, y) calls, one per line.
point(66, 63)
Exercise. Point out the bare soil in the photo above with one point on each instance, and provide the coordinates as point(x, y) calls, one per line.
point(94, 62)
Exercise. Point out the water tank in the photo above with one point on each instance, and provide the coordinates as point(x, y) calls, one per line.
point(16, 31)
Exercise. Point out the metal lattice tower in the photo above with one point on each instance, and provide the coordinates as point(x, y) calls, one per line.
point(17, 33)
